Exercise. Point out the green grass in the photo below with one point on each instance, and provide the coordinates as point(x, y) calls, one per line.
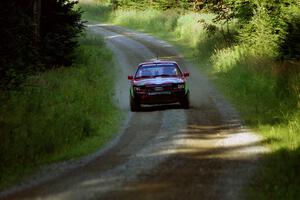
point(267, 96)
point(274, 116)
point(150, 20)
point(98, 13)
point(60, 114)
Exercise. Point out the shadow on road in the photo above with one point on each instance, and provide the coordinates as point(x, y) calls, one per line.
point(160, 107)
point(200, 167)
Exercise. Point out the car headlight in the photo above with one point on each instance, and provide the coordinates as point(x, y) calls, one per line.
point(180, 86)
point(138, 89)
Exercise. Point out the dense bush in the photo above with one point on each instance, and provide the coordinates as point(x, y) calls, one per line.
point(60, 25)
point(18, 54)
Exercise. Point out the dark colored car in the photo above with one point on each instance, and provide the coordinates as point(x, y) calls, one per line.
point(158, 82)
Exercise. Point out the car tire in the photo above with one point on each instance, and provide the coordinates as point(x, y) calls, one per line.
point(134, 105)
point(185, 102)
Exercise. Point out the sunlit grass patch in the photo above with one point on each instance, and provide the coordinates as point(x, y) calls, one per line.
point(96, 12)
point(279, 177)
point(254, 90)
point(149, 20)
point(190, 27)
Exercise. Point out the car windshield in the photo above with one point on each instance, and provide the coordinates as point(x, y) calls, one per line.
point(158, 70)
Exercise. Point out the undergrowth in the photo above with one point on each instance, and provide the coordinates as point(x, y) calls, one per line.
point(60, 114)
point(95, 12)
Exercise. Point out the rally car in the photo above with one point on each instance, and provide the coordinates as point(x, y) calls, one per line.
point(158, 82)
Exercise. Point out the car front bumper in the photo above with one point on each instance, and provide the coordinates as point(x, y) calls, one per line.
point(160, 97)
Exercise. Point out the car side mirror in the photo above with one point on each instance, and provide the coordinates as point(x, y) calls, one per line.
point(186, 74)
point(130, 77)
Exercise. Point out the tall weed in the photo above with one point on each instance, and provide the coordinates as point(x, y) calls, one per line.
point(189, 27)
point(152, 20)
point(94, 11)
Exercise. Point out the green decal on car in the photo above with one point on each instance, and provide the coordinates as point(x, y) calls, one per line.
point(186, 88)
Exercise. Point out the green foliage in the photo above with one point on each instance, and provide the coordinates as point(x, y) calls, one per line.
point(270, 28)
point(100, 12)
point(155, 4)
point(26, 49)
point(60, 25)
point(265, 90)
point(280, 177)
point(17, 48)
point(260, 35)
point(150, 19)
point(60, 114)
point(290, 47)
point(224, 59)
point(242, 9)
point(189, 21)
point(273, 29)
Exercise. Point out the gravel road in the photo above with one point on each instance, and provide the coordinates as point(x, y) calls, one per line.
point(162, 152)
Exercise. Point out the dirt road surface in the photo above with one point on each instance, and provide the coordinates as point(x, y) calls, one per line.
point(162, 152)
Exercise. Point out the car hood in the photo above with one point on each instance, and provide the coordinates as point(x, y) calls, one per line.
point(158, 81)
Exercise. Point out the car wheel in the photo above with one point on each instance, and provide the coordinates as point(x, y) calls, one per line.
point(185, 102)
point(134, 105)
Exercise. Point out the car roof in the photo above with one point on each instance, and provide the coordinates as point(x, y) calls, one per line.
point(158, 62)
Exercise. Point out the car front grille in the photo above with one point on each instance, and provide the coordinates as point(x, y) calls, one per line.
point(157, 88)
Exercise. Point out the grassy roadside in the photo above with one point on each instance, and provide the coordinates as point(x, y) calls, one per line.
point(95, 11)
point(256, 85)
point(58, 115)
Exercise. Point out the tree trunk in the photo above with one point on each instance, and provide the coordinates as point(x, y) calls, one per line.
point(36, 19)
